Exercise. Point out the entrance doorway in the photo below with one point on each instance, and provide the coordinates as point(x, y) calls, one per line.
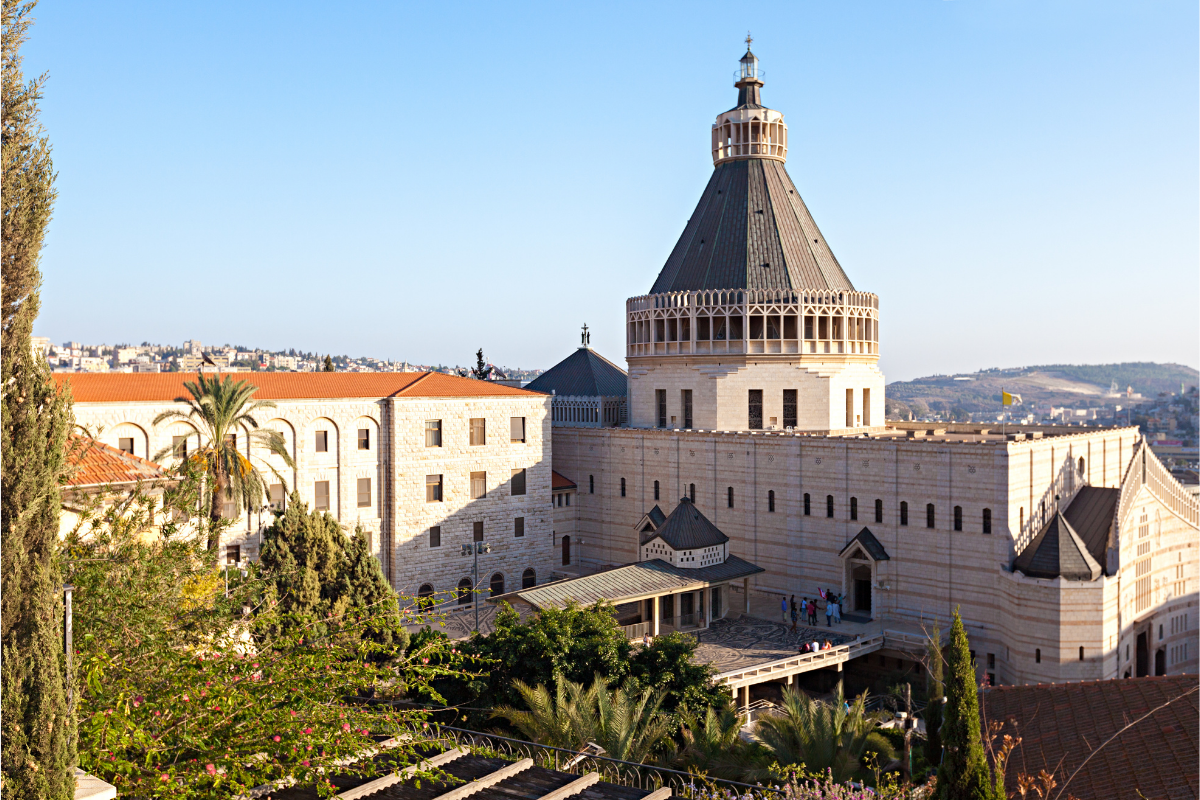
point(1160, 661)
point(861, 575)
point(687, 610)
point(1143, 654)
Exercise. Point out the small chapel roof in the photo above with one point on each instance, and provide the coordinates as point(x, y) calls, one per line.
point(584, 373)
point(1072, 544)
point(687, 529)
point(869, 543)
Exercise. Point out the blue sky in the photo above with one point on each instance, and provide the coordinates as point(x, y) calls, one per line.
point(1016, 180)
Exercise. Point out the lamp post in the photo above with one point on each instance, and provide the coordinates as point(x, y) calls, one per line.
point(475, 548)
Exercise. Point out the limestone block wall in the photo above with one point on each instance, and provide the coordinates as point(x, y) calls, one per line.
point(720, 391)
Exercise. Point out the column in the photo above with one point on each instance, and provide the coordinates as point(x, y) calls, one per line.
point(838, 688)
point(746, 591)
point(707, 606)
point(656, 615)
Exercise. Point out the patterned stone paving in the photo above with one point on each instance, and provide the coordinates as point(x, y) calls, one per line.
point(731, 644)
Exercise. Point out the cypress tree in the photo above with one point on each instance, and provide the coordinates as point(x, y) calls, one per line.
point(935, 691)
point(38, 726)
point(964, 772)
point(364, 586)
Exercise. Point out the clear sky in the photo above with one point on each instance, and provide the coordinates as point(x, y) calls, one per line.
point(1016, 179)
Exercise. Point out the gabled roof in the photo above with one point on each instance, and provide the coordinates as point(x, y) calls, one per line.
point(98, 464)
point(867, 541)
point(651, 521)
point(164, 387)
point(751, 230)
point(687, 529)
point(1062, 724)
point(584, 373)
point(560, 481)
point(1057, 551)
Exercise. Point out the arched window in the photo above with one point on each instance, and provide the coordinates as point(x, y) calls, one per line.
point(929, 515)
point(425, 597)
point(656, 490)
point(464, 591)
point(829, 506)
point(879, 511)
point(622, 487)
point(692, 492)
point(1082, 463)
point(987, 520)
point(771, 501)
point(591, 484)
point(807, 504)
point(497, 586)
point(566, 551)
point(528, 578)
point(1037, 655)
point(1081, 648)
point(958, 518)
point(903, 512)
point(730, 498)
point(854, 508)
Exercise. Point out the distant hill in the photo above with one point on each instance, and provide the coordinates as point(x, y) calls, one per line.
point(1074, 385)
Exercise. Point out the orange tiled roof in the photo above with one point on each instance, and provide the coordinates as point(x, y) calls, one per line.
point(127, 387)
point(1061, 723)
point(98, 464)
point(558, 481)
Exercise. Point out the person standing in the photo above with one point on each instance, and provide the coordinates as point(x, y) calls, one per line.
point(795, 615)
point(783, 608)
point(828, 610)
point(837, 609)
point(812, 611)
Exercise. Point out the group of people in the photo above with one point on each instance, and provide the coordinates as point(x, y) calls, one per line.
point(808, 607)
point(815, 646)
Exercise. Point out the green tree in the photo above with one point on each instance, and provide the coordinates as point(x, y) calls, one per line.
point(482, 370)
point(219, 409)
point(820, 735)
point(668, 666)
point(313, 572)
point(712, 744)
point(935, 690)
point(964, 772)
point(328, 365)
point(38, 724)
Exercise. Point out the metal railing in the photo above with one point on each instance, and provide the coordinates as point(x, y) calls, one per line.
point(611, 770)
point(802, 662)
point(1058, 494)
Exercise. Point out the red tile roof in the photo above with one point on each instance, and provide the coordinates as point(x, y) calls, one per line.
point(558, 481)
point(1061, 724)
point(98, 464)
point(123, 387)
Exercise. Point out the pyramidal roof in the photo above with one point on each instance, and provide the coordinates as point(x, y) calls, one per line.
point(1058, 551)
point(687, 529)
point(584, 373)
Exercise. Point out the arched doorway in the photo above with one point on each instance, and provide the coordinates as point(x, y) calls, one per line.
point(425, 597)
point(497, 585)
point(566, 551)
point(528, 578)
point(464, 591)
point(860, 575)
point(1160, 661)
point(1143, 654)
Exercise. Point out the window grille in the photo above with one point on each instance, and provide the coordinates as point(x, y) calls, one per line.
point(790, 413)
point(756, 409)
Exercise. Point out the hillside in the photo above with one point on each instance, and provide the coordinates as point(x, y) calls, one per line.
point(1072, 385)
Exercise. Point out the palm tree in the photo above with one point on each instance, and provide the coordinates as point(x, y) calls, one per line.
point(712, 744)
point(631, 725)
point(820, 735)
point(218, 409)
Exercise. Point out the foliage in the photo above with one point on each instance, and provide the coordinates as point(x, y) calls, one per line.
point(935, 690)
point(482, 370)
point(219, 409)
point(37, 734)
point(964, 772)
point(328, 366)
point(626, 723)
point(667, 666)
point(313, 572)
point(820, 735)
point(712, 745)
point(189, 693)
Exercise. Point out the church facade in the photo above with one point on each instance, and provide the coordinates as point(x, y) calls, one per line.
point(754, 392)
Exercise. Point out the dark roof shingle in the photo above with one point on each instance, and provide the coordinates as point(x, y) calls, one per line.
point(584, 373)
point(687, 529)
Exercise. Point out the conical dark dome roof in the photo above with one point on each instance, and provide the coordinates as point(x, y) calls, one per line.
point(751, 230)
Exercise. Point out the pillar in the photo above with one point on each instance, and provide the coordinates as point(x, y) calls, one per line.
point(746, 591)
point(838, 688)
point(656, 615)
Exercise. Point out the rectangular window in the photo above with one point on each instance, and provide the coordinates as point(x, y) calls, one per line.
point(321, 495)
point(730, 498)
point(364, 492)
point(903, 513)
point(622, 487)
point(829, 506)
point(433, 488)
point(364, 438)
point(231, 510)
point(660, 398)
point(278, 498)
point(854, 508)
point(478, 431)
point(518, 526)
point(433, 433)
point(435, 536)
point(518, 481)
point(929, 515)
point(685, 399)
point(233, 553)
point(478, 485)
point(516, 430)
point(790, 413)
point(477, 531)
point(807, 504)
point(958, 518)
point(755, 409)
point(987, 520)
point(866, 407)
point(125, 444)
point(178, 446)
point(991, 662)
point(849, 408)
point(879, 511)
point(322, 441)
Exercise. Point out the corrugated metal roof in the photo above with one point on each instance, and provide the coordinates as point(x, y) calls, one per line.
point(687, 529)
point(632, 582)
point(869, 543)
point(751, 230)
point(125, 387)
point(584, 373)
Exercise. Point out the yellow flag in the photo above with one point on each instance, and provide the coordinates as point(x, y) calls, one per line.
point(1009, 399)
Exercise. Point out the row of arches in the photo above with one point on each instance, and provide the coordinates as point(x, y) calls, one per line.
point(464, 590)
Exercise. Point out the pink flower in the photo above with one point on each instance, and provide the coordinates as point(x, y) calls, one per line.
point(186, 698)
point(210, 769)
point(158, 713)
point(305, 762)
point(255, 666)
point(293, 713)
point(275, 738)
point(164, 777)
point(308, 730)
point(424, 660)
point(345, 726)
point(365, 732)
point(137, 701)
